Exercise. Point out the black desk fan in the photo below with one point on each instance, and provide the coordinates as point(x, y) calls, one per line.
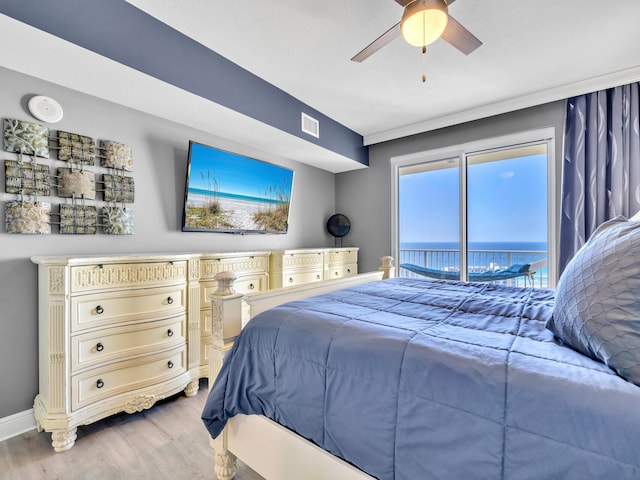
point(338, 225)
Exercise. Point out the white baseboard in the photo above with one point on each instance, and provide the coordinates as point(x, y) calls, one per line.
point(16, 424)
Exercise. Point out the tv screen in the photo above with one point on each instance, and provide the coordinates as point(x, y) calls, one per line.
point(231, 193)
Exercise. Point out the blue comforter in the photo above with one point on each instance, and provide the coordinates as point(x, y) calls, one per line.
point(426, 379)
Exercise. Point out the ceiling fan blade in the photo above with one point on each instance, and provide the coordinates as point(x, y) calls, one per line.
point(460, 37)
point(378, 43)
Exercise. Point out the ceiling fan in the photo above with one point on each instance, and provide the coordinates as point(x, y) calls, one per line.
point(423, 22)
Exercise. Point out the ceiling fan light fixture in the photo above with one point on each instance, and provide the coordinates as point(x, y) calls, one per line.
point(424, 21)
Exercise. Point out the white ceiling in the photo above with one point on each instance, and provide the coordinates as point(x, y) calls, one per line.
point(534, 51)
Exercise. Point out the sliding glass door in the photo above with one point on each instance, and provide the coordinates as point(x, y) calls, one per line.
point(479, 215)
point(507, 212)
point(429, 208)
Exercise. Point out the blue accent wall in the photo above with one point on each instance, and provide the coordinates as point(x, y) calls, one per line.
point(119, 31)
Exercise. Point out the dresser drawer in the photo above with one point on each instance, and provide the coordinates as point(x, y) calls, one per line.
point(342, 256)
point(251, 284)
point(342, 271)
point(101, 277)
point(243, 284)
point(113, 344)
point(300, 277)
point(104, 309)
point(302, 260)
point(211, 266)
point(104, 382)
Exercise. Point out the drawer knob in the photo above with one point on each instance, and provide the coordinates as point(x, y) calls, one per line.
point(99, 347)
point(251, 286)
point(170, 364)
point(317, 277)
point(169, 300)
point(348, 270)
point(99, 383)
point(336, 273)
point(169, 333)
point(99, 310)
point(290, 279)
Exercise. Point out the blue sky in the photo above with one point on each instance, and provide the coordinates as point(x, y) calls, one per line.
point(235, 173)
point(506, 203)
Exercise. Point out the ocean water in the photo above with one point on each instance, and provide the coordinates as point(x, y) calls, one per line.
point(499, 246)
point(233, 196)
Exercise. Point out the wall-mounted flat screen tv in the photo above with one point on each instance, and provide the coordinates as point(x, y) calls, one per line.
point(231, 193)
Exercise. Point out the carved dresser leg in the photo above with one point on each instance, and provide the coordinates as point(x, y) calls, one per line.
point(63, 440)
point(226, 465)
point(192, 388)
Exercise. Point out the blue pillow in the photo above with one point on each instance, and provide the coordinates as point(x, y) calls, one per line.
point(597, 304)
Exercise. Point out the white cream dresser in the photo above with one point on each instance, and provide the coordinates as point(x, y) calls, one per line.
point(119, 333)
point(289, 268)
point(340, 262)
point(112, 337)
point(252, 270)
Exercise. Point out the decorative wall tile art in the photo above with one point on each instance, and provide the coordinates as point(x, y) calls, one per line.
point(27, 178)
point(78, 219)
point(26, 137)
point(28, 181)
point(116, 155)
point(28, 217)
point(76, 148)
point(118, 189)
point(117, 220)
point(76, 183)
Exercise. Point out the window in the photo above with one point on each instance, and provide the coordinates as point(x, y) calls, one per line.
point(487, 203)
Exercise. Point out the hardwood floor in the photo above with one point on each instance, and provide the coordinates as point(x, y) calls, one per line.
point(167, 441)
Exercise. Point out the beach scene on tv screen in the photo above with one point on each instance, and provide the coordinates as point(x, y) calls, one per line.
point(229, 192)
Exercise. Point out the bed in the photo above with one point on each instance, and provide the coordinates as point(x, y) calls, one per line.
point(415, 378)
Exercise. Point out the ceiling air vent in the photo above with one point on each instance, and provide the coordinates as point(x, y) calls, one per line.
point(310, 125)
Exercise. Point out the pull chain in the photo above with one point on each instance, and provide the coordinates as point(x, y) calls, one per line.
point(424, 63)
point(424, 47)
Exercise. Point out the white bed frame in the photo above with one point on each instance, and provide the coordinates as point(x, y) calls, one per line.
point(274, 452)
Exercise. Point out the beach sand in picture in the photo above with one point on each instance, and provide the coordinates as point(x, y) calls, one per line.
point(239, 213)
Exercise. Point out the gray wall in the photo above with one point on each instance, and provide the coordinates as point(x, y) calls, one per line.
point(160, 159)
point(365, 196)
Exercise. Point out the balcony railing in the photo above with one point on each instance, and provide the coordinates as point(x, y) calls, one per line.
point(480, 261)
